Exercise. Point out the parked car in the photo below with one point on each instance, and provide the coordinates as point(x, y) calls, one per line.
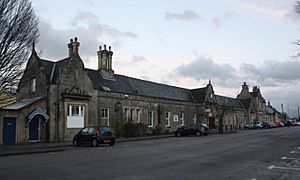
point(296, 123)
point(266, 124)
point(253, 125)
point(94, 136)
point(193, 129)
point(273, 125)
point(280, 124)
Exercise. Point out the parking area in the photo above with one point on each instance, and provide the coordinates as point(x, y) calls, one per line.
point(289, 163)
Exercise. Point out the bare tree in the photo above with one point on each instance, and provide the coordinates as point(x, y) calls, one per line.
point(297, 7)
point(297, 10)
point(18, 32)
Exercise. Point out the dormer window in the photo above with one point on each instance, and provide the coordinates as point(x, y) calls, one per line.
point(32, 85)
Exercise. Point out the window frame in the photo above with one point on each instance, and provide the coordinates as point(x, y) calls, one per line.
point(105, 115)
point(168, 121)
point(75, 116)
point(181, 119)
point(150, 119)
point(33, 85)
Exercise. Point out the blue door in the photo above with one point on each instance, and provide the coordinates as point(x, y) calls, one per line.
point(34, 129)
point(9, 130)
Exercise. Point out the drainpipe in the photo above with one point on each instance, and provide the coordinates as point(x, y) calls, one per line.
point(57, 107)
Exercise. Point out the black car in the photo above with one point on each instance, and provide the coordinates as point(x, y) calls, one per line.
point(95, 135)
point(266, 124)
point(193, 129)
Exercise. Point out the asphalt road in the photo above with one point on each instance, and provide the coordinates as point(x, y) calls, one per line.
point(248, 155)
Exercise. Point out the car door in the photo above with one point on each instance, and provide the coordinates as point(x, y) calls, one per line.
point(90, 134)
point(192, 129)
point(82, 135)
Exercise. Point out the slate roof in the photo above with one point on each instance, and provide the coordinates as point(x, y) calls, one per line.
point(51, 68)
point(269, 110)
point(199, 94)
point(129, 85)
point(245, 102)
point(21, 104)
point(229, 102)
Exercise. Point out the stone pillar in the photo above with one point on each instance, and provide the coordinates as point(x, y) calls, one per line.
point(75, 46)
point(110, 53)
point(70, 47)
point(99, 53)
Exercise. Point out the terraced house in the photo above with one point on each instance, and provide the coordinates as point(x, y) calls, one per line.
point(56, 99)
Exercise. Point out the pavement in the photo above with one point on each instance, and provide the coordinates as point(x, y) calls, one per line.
point(36, 148)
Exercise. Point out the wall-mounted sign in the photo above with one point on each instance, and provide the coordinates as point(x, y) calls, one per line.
point(175, 118)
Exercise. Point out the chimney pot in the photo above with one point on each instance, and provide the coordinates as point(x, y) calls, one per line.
point(75, 39)
point(109, 48)
point(100, 48)
point(104, 46)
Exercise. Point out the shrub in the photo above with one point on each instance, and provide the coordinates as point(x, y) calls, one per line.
point(120, 129)
point(134, 129)
point(158, 129)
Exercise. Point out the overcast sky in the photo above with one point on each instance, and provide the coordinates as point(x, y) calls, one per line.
point(184, 42)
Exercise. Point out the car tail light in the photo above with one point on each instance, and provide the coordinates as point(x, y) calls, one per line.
point(97, 131)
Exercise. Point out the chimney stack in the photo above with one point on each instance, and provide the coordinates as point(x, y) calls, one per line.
point(73, 47)
point(70, 47)
point(105, 58)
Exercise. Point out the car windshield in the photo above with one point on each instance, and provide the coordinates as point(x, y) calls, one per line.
point(91, 130)
point(104, 129)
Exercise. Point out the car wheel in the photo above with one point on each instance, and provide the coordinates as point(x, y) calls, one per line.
point(75, 142)
point(178, 134)
point(94, 143)
point(205, 134)
point(112, 143)
point(198, 133)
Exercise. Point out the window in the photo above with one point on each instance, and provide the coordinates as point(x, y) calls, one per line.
point(168, 123)
point(132, 115)
point(126, 111)
point(150, 119)
point(32, 85)
point(194, 118)
point(75, 110)
point(105, 115)
point(75, 117)
point(138, 115)
point(182, 118)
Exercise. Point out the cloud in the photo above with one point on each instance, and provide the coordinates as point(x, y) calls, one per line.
point(89, 2)
point(272, 8)
point(94, 25)
point(274, 72)
point(187, 15)
point(86, 26)
point(203, 68)
point(268, 74)
point(218, 21)
point(289, 96)
point(135, 60)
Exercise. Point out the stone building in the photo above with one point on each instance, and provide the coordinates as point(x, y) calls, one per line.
point(272, 115)
point(232, 114)
point(56, 99)
point(253, 102)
